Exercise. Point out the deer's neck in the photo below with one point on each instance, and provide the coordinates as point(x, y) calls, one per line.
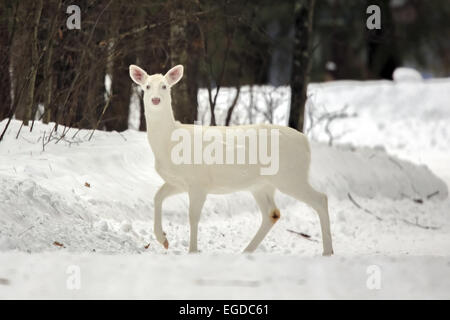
point(160, 126)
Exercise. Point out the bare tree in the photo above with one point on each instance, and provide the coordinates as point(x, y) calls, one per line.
point(232, 106)
point(49, 59)
point(209, 59)
point(5, 80)
point(319, 120)
point(26, 40)
point(303, 17)
point(185, 109)
point(116, 116)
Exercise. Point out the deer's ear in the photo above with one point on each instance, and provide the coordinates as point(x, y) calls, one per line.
point(138, 75)
point(174, 75)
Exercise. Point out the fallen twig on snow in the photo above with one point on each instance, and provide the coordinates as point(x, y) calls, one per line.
point(420, 225)
point(303, 235)
point(360, 207)
point(25, 231)
point(395, 162)
point(431, 195)
point(420, 200)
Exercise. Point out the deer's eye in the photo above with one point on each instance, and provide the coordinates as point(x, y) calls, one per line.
point(148, 87)
point(164, 87)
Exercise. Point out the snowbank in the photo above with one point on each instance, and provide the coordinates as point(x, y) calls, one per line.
point(403, 74)
point(108, 183)
point(371, 173)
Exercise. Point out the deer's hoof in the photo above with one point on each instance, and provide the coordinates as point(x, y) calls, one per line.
point(161, 238)
point(328, 253)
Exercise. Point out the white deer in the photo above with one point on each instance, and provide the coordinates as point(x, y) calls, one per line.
point(199, 180)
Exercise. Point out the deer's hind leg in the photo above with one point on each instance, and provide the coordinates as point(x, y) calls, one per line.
point(304, 192)
point(196, 200)
point(269, 212)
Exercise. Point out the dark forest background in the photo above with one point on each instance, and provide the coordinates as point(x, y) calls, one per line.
point(221, 43)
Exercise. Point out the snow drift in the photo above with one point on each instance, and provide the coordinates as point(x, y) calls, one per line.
point(371, 173)
point(113, 177)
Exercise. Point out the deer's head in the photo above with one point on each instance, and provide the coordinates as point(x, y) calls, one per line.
point(156, 87)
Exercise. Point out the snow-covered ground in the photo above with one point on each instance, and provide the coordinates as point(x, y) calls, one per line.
point(80, 209)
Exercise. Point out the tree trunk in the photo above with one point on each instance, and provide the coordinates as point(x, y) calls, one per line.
point(116, 116)
point(48, 80)
point(95, 99)
point(95, 71)
point(144, 60)
point(303, 16)
point(382, 52)
point(183, 103)
point(5, 81)
point(153, 54)
point(21, 59)
point(64, 67)
point(48, 87)
point(194, 50)
point(25, 111)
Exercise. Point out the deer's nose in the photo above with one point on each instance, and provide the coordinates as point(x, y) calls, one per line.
point(156, 100)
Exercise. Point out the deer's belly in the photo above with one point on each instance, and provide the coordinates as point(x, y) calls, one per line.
point(222, 178)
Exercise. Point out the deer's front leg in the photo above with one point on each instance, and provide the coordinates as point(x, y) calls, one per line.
point(196, 201)
point(165, 191)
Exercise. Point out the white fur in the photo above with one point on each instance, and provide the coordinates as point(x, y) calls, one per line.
point(199, 180)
